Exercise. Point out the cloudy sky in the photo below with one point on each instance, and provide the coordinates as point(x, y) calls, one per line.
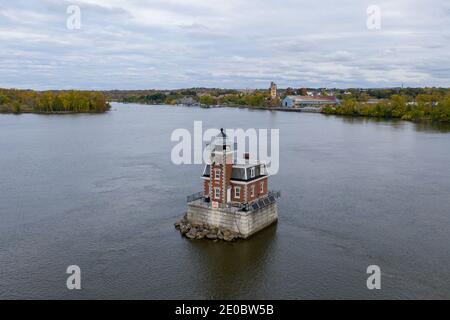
point(131, 44)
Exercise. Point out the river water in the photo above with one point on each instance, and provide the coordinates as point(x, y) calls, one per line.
point(100, 191)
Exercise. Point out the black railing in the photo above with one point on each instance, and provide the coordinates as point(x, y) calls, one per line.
point(275, 193)
point(258, 204)
point(195, 196)
point(267, 201)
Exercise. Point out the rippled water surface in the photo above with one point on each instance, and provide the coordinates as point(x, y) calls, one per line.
point(100, 191)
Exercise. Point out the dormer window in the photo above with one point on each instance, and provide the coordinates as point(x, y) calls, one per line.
point(252, 172)
point(262, 169)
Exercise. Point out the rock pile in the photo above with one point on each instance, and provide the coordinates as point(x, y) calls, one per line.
point(204, 231)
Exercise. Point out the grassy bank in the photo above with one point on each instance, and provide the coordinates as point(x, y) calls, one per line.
point(52, 102)
point(423, 107)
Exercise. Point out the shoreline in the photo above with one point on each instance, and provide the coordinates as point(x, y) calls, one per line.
point(431, 121)
point(56, 112)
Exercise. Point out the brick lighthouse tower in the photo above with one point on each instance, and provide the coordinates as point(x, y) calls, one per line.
point(221, 169)
point(235, 202)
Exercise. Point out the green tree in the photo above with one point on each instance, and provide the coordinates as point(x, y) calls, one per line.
point(207, 100)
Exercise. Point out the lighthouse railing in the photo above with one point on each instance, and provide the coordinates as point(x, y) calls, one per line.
point(194, 197)
point(266, 201)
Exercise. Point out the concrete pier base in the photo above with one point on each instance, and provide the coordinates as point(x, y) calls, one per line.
point(245, 223)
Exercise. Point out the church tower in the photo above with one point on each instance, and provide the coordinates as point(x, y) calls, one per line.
point(273, 90)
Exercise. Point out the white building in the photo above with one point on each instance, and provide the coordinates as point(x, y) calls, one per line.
point(308, 101)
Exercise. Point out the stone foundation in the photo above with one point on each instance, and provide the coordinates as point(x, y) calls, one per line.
point(242, 223)
point(204, 231)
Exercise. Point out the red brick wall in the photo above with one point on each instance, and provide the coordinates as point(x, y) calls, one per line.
point(205, 187)
point(216, 183)
point(258, 193)
point(257, 186)
point(241, 195)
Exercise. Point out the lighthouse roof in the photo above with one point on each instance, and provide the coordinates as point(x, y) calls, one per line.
point(221, 134)
point(241, 173)
point(221, 142)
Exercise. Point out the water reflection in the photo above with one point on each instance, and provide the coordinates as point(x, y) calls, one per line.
point(366, 120)
point(423, 126)
point(363, 191)
point(235, 268)
point(432, 127)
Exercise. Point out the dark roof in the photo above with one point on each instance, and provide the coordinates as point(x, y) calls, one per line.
point(238, 173)
point(221, 134)
point(206, 171)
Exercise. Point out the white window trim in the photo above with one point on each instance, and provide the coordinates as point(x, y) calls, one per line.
point(237, 192)
point(215, 193)
point(262, 187)
point(217, 173)
point(252, 190)
point(252, 172)
point(262, 169)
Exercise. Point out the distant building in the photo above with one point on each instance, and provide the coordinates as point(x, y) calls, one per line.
point(273, 90)
point(308, 101)
point(247, 91)
point(373, 101)
point(188, 101)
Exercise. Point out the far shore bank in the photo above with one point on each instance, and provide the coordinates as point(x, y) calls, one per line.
point(17, 101)
point(283, 109)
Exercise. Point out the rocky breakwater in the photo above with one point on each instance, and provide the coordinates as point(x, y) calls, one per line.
point(204, 231)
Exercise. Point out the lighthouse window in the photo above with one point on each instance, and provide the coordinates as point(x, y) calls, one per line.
point(237, 192)
point(252, 172)
point(217, 193)
point(217, 174)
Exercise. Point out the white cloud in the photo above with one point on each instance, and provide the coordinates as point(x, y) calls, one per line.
point(226, 43)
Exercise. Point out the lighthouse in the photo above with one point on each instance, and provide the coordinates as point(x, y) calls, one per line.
point(235, 199)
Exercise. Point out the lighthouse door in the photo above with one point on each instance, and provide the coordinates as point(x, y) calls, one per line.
point(229, 195)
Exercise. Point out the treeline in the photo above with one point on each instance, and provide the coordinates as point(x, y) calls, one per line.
point(202, 97)
point(364, 94)
point(180, 96)
point(155, 97)
point(28, 101)
point(435, 107)
point(387, 93)
point(255, 99)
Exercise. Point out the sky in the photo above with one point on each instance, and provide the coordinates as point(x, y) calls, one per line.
point(169, 44)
